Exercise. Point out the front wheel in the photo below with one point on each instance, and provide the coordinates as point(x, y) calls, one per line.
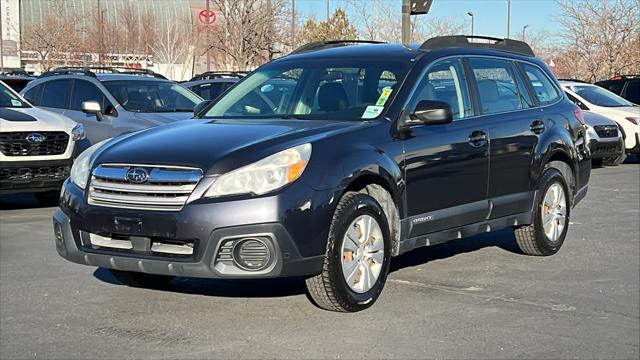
point(551, 217)
point(357, 259)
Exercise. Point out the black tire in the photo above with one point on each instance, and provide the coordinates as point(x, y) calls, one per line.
point(532, 239)
point(142, 280)
point(329, 290)
point(596, 163)
point(48, 198)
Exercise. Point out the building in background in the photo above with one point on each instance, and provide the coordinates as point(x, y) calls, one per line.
point(164, 35)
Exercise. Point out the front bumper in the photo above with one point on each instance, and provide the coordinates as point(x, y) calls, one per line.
point(33, 176)
point(606, 149)
point(206, 225)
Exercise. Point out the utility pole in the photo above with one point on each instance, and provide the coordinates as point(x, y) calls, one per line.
point(470, 13)
point(293, 22)
point(328, 10)
point(406, 22)
point(508, 18)
point(524, 29)
point(207, 37)
point(100, 33)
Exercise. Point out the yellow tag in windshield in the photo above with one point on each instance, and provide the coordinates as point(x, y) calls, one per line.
point(386, 92)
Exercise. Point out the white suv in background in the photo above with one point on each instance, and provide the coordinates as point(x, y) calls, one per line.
point(37, 147)
point(603, 102)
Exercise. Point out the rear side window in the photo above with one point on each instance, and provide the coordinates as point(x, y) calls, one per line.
point(445, 81)
point(633, 91)
point(33, 95)
point(54, 93)
point(497, 85)
point(615, 86)
point(86, 91)
point(209, 91)
point(544, 89)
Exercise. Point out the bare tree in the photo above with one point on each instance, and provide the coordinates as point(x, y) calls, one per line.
point(601, 36)
point(172, 44)
point(54, 41)
point(248, 32)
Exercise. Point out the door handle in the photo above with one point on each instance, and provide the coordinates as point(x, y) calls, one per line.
point(478, 138)
point(537, 127)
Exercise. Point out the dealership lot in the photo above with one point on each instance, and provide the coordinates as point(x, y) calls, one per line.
point(471, 298)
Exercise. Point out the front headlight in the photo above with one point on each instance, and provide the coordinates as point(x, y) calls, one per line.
point(266, 175)
point(82, 164)
point(78, 132)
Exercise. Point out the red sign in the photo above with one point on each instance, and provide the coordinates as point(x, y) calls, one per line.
point(207, 17)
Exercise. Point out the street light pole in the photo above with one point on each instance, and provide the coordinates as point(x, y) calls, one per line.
point(207, 36)
point(524, 29)
point(470, 13)
point(508, 18)
point(293, 21)
point(406, 22)
point(328, 10)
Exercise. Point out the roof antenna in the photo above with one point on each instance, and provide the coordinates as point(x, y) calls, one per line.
point(412, 7)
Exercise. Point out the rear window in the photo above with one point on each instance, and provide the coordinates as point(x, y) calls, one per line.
point(633, 91)
point(544, 89)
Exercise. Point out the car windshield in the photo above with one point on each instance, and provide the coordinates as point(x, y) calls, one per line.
point(322, 89)
point(152, 96)
point(601, 97)
point(8, 99)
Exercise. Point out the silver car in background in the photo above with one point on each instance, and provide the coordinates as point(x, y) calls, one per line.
point(112, 103)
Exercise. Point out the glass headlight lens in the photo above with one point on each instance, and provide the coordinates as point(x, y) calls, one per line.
point(266, 175)
point(78, 132)
point(80, 169)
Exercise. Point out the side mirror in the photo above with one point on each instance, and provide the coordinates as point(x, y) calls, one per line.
point(92, 107)
point(431, 112)
point(199, 108)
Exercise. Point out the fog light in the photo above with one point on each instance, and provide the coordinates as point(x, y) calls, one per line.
point(57, 231)
point(251, 254)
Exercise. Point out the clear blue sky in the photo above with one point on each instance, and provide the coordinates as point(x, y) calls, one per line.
point(490, 15)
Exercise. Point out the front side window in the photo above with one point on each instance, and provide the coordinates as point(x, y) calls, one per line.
point(152, 96)
point(545, 91)
point(54, 94)
point(8, 99)
point(327, 89)
point(445, 81)
point(497, 86)
point(86, 91)
point(599, 96)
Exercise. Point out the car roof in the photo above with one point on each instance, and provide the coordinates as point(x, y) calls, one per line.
point(357, 50)
point(574, 83)
point(132, 77)
point(231, 80)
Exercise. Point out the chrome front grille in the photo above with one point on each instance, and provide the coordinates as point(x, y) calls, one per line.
point(167, 188)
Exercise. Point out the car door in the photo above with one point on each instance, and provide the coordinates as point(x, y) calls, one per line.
point(95, 129)
point(446, 165)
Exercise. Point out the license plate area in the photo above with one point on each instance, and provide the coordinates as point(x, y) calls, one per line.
point(140, 245)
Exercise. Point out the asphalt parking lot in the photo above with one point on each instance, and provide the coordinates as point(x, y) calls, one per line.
point(471, 298)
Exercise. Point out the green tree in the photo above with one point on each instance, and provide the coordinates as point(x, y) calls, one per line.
point(337, 27)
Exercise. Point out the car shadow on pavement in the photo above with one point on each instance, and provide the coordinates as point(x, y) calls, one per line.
point(265, 288)
point(19, 201)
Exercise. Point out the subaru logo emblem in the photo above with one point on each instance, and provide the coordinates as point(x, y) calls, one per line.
point(137, 175)
point(35, 138)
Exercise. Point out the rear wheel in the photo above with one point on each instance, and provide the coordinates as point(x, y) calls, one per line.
point(142, 280)
point(551, 217)
point(357, 259)
point(48, 198)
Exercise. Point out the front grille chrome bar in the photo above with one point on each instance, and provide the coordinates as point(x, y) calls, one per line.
point(167, 188)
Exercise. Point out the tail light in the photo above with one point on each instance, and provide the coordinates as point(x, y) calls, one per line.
point(634, 120)
point(579, 115)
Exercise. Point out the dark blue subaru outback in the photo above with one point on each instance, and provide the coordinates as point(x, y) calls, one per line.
point(326, 163)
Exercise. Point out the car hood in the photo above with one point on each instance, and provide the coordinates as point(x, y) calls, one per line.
point(216, 146)
point(33, 119)
point(619, 111)
point(164, 118)
point(593, 119)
